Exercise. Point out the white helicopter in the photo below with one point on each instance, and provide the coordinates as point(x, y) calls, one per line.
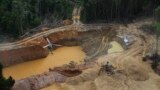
point(50, 45)
point(125, 39)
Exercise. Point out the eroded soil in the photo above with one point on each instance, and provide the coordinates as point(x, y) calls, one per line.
point(132, 73)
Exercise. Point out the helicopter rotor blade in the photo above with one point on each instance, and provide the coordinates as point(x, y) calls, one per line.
point(46, 46)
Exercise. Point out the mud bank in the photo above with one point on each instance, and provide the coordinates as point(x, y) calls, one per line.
point(38, 81)
point(11, 57)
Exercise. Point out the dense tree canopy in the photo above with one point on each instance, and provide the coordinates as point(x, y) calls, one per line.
point(117, 9)
point(19, 15)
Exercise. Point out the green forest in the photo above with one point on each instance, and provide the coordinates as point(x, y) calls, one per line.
point(19, 15)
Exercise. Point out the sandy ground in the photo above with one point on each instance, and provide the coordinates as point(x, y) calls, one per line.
point(135, 74)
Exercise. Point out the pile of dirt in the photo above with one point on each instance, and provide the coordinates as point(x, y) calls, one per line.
point(38, 81)
point(68, 71)
point(87, 75)
point(72, 69)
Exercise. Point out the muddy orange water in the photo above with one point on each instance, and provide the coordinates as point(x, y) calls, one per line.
point(116, 47)
point(60, 57)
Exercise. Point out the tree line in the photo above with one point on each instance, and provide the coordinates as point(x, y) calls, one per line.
point(19, 15)
point(109, 10)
